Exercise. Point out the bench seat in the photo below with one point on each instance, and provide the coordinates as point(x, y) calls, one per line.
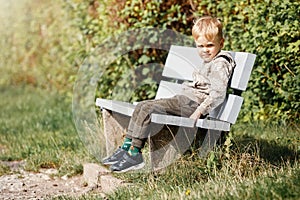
point(127, 109)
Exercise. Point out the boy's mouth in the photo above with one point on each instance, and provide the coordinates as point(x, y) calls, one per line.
point(206, 55)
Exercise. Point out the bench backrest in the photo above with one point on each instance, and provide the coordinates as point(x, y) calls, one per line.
point(182, 61)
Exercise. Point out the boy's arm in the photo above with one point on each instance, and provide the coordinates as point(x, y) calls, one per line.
point(196, 115)
point(188, 84)
point(219, 77)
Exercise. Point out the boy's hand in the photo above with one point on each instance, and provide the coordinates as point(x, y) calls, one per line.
point(188, 84)
point(195, 116)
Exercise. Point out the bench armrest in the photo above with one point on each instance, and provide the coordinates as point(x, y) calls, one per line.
point(124, 108)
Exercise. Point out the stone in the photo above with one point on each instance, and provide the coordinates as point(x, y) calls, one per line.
point(97, 176)
point(91, 172)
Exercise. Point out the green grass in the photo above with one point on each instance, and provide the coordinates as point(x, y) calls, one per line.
point(37, 126)
point(258, 161)
point(261, 163)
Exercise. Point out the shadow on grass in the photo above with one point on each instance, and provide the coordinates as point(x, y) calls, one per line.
point(269, 150)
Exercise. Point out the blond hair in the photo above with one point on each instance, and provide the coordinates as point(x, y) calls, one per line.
point(209, 27)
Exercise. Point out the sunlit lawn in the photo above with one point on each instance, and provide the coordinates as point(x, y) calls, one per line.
point(262, 162)
point(36, 126)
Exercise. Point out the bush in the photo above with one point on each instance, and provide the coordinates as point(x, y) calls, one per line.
point(266, 28)
point(38, 42)
point(270, 30)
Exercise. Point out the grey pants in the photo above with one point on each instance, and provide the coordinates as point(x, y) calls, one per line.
point(139, 125)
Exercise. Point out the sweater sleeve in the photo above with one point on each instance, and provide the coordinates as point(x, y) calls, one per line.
point(219, 76)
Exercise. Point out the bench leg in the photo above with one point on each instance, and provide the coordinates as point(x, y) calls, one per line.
point(210, 141)
point(168, 145)
point(114, 126)
point(159, 146)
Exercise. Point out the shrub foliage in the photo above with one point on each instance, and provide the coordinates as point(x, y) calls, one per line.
point(268, 28)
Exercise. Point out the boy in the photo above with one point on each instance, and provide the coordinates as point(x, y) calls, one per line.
point(199, 97)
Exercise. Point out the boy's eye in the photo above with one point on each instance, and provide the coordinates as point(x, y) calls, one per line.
point(207, 46)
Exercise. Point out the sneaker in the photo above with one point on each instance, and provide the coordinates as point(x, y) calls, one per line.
point(128, 163)
point(115, 157)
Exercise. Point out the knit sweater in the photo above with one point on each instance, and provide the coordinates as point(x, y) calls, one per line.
point(210, 82)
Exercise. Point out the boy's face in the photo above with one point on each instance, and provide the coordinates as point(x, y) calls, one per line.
point(208, 49)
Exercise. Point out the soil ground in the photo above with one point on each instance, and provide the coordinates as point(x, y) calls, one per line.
point(21, 184)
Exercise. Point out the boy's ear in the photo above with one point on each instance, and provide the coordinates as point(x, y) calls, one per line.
point(222, 43)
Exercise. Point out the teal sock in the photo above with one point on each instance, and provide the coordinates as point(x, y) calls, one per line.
point(126, 144)
point(133, 151)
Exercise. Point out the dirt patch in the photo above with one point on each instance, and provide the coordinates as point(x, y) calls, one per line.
point(21, 184)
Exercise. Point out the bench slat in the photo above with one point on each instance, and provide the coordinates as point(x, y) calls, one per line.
point(124, 108)
point(182, 61)
point(213, 124)
point(187, 122)
point(168, 89)
point(172, 120)
point(241, 75)
point(227, 111)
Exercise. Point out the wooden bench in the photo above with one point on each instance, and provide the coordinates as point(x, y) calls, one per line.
point(180, 63)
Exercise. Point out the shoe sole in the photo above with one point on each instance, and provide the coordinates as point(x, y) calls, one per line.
point(110, 163)
point(135, 167)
